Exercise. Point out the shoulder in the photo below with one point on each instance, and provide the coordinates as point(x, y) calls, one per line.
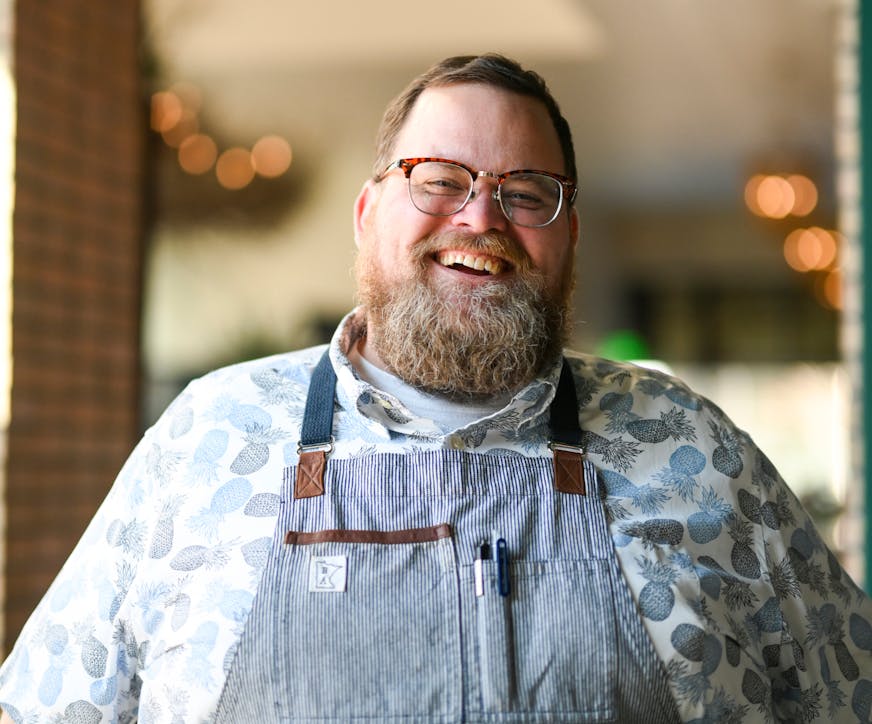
point(266, 373)
point(640, 422)
point(276, 382)
point(608, 384)
point(245, 408)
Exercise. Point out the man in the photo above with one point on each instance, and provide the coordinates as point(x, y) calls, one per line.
point(444, 518)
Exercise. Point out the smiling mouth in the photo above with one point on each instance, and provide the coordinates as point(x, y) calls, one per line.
point(471, 263)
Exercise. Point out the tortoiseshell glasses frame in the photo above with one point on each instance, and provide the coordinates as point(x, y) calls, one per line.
point(527, 197)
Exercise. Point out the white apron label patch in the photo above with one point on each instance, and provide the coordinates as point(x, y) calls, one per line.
point(327, 574)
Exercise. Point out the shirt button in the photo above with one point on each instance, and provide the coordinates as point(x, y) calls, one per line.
point(456, 442)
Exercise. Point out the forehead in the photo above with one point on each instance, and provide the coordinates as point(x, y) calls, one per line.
point(486, 127)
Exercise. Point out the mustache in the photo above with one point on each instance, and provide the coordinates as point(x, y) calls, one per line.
point(493, 244)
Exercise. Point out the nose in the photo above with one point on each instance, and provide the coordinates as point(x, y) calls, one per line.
point(482, 212)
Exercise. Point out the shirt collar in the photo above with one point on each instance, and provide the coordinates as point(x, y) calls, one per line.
point(384, 414)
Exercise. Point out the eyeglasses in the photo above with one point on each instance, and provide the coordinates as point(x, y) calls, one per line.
point(440, 187)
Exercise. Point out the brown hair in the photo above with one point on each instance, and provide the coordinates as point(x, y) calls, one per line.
point(491, 69)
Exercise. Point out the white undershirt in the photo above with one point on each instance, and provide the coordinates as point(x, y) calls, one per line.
point(447, 414)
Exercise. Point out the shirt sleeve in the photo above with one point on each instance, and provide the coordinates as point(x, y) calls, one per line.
point(74, 660)
point(753, 616)
point(816, 623)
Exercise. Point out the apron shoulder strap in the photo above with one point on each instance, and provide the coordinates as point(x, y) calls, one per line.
point(565, 443)
point(316, 433)
point(565, 428)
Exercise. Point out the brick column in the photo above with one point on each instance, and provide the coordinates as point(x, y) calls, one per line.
point(77, 231)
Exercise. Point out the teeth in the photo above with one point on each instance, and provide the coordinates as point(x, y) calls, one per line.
point(479, 263)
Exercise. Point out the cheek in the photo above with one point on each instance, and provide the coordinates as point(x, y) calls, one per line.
point(548, 255)
point(396, 233)
point(387, 246)
point(555, 260)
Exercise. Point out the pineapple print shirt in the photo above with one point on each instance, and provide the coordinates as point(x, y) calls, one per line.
point(752, 615)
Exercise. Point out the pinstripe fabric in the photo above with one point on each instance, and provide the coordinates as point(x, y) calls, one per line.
point(410, 640)
point(644, 694)
point(511, 494)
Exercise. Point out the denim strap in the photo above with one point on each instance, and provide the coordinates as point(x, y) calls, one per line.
point(570, 466)
point(565, 429)
point(318, 418)
point(316, 433)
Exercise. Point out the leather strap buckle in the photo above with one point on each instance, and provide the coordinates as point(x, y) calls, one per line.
point(568, 468)
point(310, 469)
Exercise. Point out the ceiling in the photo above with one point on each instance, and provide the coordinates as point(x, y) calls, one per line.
point(673, 100)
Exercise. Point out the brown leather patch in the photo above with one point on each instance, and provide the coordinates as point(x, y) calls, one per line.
point(569, 472)
point(410, 535)
point(310, 474)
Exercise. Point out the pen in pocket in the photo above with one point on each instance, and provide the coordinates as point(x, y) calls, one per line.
point(503, 585)
point(484, 554)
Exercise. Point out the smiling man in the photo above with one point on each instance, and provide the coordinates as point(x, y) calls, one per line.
point(467, 288)
point(443, 515)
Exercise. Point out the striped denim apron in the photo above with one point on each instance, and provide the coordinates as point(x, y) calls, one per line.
point(444, 586)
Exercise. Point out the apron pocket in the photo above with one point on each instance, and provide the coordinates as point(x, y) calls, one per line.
point(367, 625)
point(549, 649)
point(493, 623)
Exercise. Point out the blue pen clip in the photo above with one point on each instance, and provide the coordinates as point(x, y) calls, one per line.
point(503, 585)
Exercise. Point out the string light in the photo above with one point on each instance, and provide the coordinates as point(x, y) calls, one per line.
point(187, 125)
point(832, 289)
point(806, 250)
point(805, 192)
point(828, 289)
point(166, 110)
point(189, 94)
point(810, 249)
point(175, 115)
point(197, 154)
point(776, 196)
point(271, 156)
point(234, 168)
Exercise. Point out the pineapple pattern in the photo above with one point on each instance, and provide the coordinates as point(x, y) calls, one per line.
point(753, 618)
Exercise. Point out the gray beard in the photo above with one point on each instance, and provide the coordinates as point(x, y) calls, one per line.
point(464, 343)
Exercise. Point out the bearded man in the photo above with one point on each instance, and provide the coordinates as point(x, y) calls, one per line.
point(444, 516)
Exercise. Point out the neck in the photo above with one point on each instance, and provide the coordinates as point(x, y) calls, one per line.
point(447, 414)
point(367, 350)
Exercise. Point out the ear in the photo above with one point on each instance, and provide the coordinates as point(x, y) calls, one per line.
point(364, 206)
point(573, 228)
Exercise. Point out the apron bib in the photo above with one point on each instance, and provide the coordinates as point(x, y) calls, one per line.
point(444, 586)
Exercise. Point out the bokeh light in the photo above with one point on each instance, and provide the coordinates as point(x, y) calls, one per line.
point(751, 193)
point(271, 156)
point(624, 344)
point(234, 168)
point(833, 288)
point(197, 153)
point(776, 196)
point(175, 115)
point(806, 194)
point(810, 249)
point(828, 289)
point(166, 110)
point(187, 125)
point(189, 94)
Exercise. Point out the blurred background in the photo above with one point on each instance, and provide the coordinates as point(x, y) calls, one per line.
point(176, 188)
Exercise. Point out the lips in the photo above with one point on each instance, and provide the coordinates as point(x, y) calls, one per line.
point(471, 261)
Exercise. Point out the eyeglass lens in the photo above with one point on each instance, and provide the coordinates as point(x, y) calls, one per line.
point(442, 189)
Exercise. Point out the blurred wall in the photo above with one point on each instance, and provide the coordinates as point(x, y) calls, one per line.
point(77, 228)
